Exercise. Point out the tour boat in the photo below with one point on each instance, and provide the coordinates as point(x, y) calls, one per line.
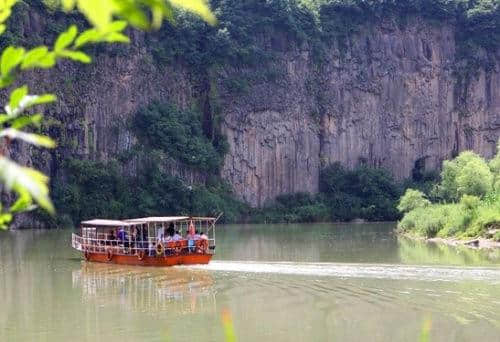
point(148, 241)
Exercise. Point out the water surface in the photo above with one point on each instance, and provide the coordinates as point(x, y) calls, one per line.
point(321, 282)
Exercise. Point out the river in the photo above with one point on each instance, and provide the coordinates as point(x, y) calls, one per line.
point(310, 282)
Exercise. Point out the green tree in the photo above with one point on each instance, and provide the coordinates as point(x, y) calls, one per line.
point(412, 199)
point(108, 20)
point(468, 174)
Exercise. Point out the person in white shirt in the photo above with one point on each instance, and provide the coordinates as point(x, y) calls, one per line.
point(177, 236)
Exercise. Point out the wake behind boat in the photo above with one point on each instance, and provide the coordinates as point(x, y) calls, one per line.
point(148, 241)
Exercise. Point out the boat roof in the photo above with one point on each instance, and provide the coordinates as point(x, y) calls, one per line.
point(168, 219)
point(109, 223)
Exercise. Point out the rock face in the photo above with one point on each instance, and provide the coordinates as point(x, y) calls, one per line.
point(389, 98)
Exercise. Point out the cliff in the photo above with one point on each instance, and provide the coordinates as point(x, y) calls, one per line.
point(387, 95)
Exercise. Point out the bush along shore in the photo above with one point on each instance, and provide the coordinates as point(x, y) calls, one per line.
point(463, 208)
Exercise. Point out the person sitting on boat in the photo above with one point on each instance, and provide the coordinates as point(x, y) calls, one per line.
point(197, 235)
point(111, 238)
point(203, 236)
point(177, 236)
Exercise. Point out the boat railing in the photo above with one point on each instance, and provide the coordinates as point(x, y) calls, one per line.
point(130, 247)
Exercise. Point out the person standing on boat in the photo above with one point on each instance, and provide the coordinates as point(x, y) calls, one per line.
point(191, 236)
point(171, 229)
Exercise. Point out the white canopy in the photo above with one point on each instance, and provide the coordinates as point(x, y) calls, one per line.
point(158, 219)
point(168, 219)
point(109, 223)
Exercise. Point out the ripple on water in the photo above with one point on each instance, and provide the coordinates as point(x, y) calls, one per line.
point(379, 271)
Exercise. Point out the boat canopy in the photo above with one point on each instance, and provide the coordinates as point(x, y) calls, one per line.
point(109, 223)
point(168, 219)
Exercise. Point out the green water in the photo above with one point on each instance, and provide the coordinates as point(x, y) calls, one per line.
point(315, 282)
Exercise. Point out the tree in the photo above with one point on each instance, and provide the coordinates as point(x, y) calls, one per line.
point(468, 174)
point(495, 169)
point(412, 199)
point(108, 20)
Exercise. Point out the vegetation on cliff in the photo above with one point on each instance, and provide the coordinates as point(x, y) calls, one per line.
point(317, 23)
point(179, 133)
point(466, 203)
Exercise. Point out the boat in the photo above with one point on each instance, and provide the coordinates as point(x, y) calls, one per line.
point(147, 241)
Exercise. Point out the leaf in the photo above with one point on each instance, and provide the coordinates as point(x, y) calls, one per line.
point(2, 28)
point(40, 99)
point(6, 80)
point(68, 5)
point(132, 13)
point(5, 219)
point(31, 138)
point(97, 12)
point(88, 36)
point(117, 26)
point(66, 38)
point(198, 7)
point(23, 202)
point(33, 57)
point(28, 101)
point(16, 96)
point(116, 37)
point(11, 57)
point(22, 178)
point(76, 56)
point(48, 61)
point(4, 14)
point(25, 120)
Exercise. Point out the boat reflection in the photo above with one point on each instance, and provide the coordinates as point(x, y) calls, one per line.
point(147, 289)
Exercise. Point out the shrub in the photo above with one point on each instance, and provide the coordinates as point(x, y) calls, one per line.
point(360, 193)
point(412, 199)
point(470, 202)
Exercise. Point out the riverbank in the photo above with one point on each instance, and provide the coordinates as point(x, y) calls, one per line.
point(475, 243)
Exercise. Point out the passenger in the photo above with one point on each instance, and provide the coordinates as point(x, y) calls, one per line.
point(203, 236)
point(111, 238)
point(177, 236)
point(171, 229)
point(189, 236)
point(197, 235)
point(122, 237)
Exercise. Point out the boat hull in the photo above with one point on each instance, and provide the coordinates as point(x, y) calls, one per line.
point(171, 260)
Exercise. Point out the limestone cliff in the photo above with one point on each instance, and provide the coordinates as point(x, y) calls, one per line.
point(389, 97)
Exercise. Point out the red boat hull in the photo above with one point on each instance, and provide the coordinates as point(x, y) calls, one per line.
point(172, 260)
